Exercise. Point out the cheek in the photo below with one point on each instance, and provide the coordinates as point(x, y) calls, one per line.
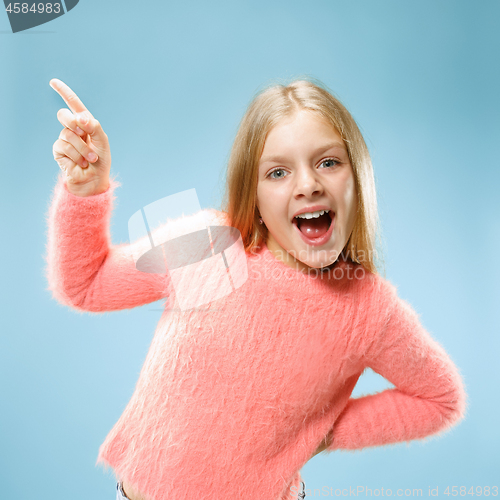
point(271, 201)
point(350, 196)
point(264, 203)
point(259, 197)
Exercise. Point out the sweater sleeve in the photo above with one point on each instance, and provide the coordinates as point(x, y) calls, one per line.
point(83, 269)
point(429, 396)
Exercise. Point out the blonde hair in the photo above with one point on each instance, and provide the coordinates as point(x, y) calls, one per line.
point(267, 108)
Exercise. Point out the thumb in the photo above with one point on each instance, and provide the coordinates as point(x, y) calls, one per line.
point(94, 130)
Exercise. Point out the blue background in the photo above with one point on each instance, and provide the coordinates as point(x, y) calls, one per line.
point(169, 81)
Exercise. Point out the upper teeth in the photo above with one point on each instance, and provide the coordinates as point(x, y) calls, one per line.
point(312, 215)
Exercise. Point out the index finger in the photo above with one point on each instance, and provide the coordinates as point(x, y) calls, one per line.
point(70, 98)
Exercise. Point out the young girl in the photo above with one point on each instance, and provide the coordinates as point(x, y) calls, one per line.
point(237, 395)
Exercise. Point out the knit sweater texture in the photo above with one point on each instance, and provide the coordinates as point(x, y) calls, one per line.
point(235, 396)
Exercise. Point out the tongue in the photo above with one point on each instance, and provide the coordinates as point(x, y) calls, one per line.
point(314, 228)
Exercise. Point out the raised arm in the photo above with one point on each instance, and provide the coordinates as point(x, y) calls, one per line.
point(428, 397)
point(84, 270)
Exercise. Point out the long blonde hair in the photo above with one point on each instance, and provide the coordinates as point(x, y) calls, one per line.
point(267, 108)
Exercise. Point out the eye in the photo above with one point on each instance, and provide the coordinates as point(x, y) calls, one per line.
point(271, 174)
point(330, 162)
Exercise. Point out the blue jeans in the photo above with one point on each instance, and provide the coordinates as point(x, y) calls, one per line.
point(302, 494)
point(120, 494)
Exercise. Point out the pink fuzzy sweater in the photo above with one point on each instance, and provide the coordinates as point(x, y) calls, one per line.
point(234, 397)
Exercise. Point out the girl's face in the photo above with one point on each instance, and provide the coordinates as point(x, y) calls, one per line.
point(305, 167)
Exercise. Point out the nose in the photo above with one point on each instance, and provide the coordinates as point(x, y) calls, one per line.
point(307, 183)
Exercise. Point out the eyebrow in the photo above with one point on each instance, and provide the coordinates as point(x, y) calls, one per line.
point(282, 159)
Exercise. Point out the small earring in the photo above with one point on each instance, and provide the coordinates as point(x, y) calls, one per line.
point(261, 221)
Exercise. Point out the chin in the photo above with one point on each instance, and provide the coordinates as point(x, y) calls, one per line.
point(317, 258)
point(316, 263)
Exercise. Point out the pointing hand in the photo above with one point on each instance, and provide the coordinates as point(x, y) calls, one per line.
point(82, 149)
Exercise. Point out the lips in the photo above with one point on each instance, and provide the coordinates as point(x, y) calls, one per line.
point(312, 208)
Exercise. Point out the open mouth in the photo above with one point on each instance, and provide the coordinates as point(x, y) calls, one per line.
point(314, 227)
